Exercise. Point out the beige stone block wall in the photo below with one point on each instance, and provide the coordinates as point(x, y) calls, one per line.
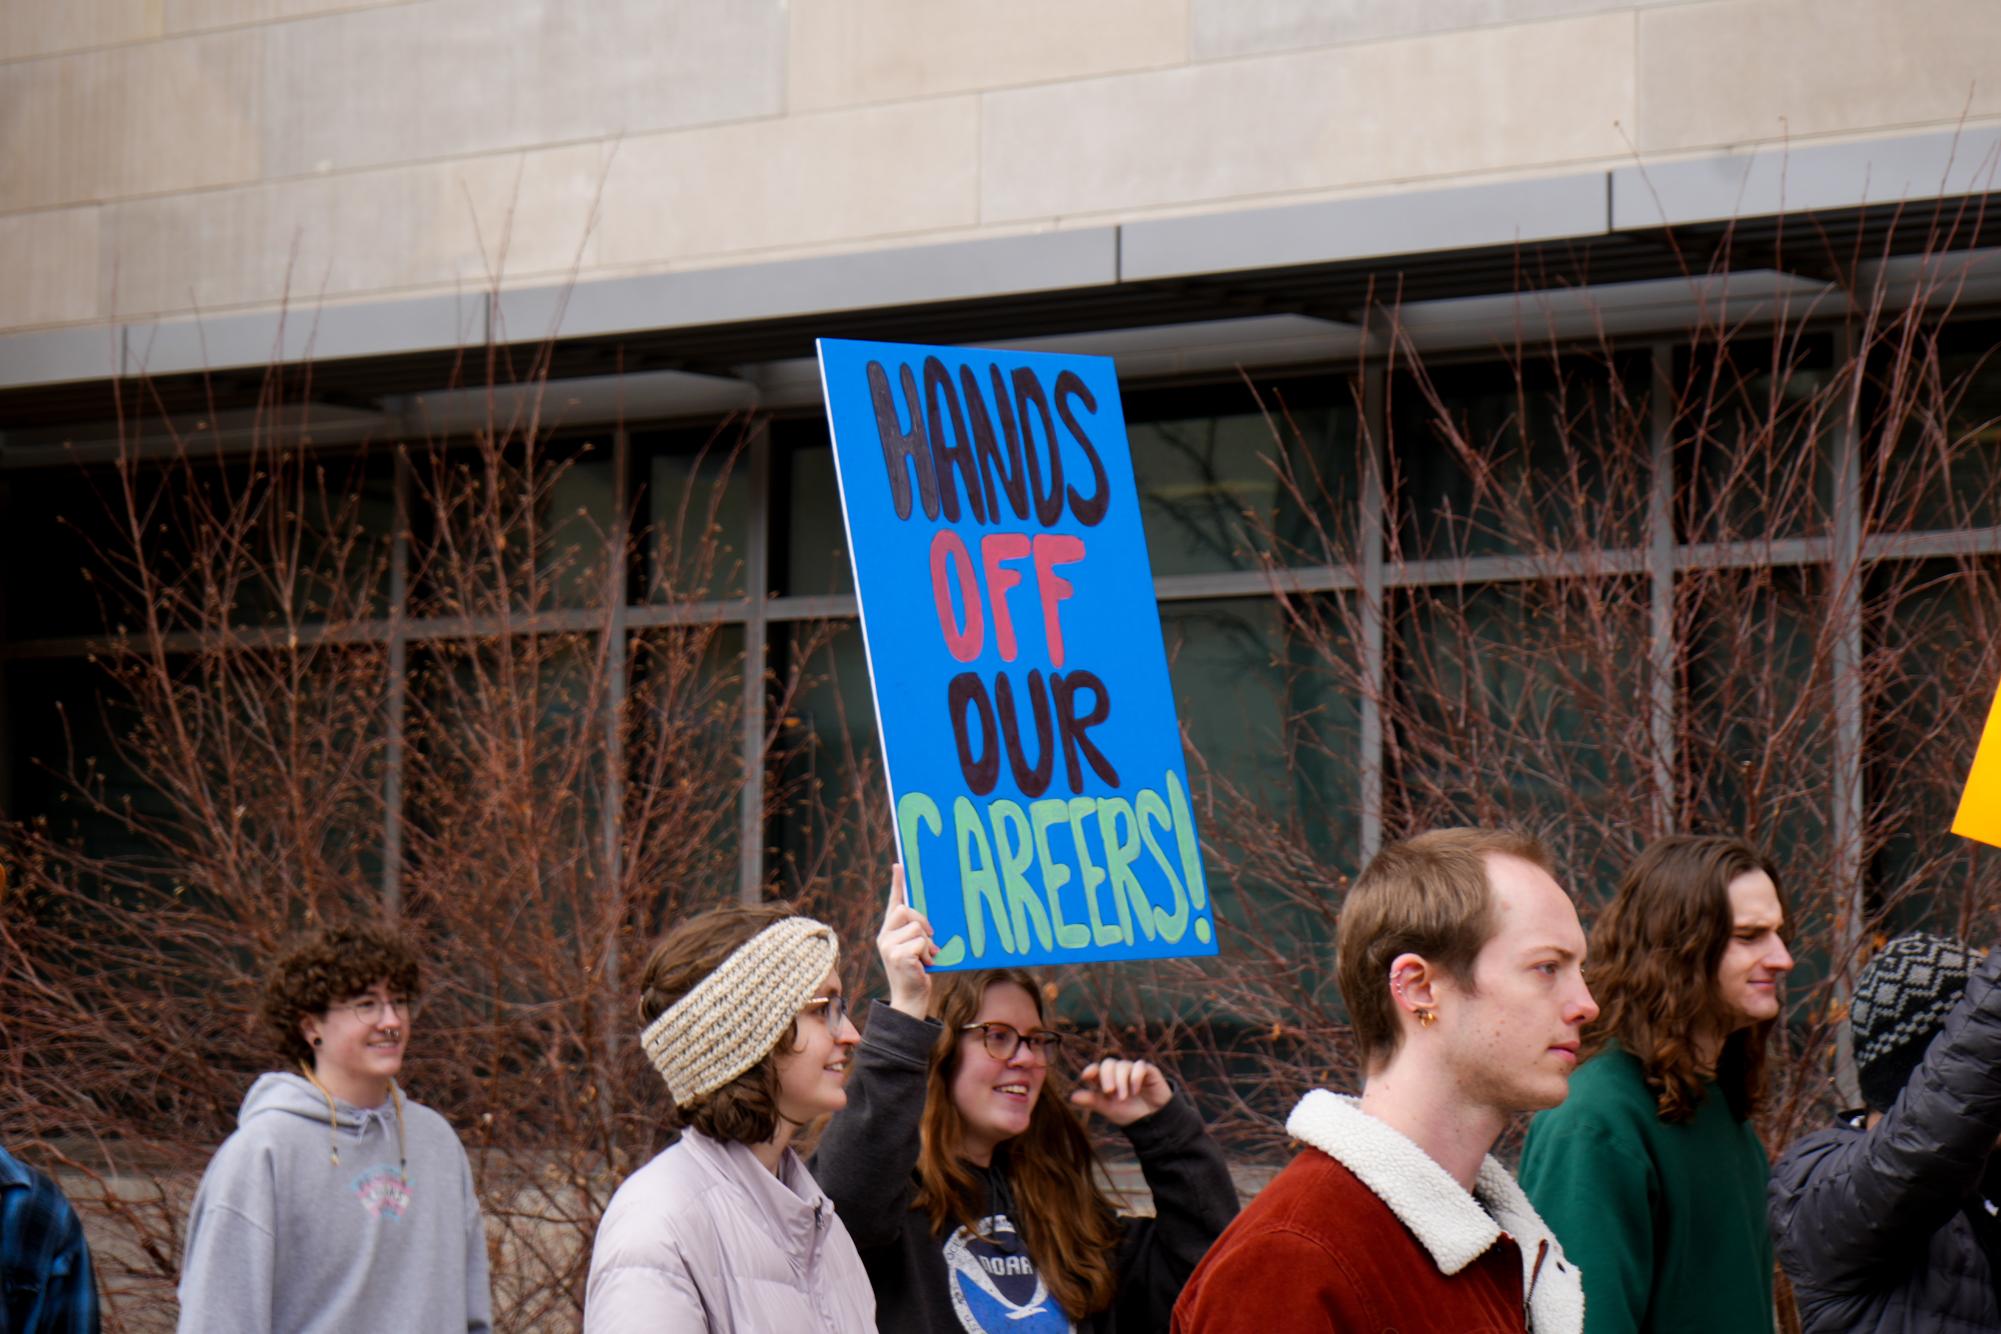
point(899, 171)
point(1225, 28)
point(453, 78)
point(852, 51)
point(148, 118)
point(238, 151)
point(29, 29)
point(52, 267)
point(1761, 70)
point(1482, 101)
point(199, 15)
point(448, 225)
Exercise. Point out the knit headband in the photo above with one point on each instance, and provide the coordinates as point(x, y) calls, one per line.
point(732, 1018)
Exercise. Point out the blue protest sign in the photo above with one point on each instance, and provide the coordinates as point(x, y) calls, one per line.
point(1028, 729)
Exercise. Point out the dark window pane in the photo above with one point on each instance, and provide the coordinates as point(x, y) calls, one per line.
point(577, 521)
point(1930, 662)
point(64, 766)
point(1935, 449)
point(684, 757)
point(827, 781)
point(1524, 705)
point(816, 538)
point(1274, 739)
point(1754, 426)
point(57, 528)
point(1225, 483)
point(530, 531)
point(1531, 458)
point(248, 542)
point(698, 517)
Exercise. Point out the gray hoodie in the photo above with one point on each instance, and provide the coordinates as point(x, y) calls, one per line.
point(284, 1241)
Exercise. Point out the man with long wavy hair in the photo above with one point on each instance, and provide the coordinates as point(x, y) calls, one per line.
point(1460, 961)
point(1651, 1172)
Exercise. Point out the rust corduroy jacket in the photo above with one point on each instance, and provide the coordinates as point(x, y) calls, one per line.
point(1364, 1231)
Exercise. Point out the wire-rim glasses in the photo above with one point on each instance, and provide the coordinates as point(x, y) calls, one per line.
point(833, 1009)
point(370, 1009)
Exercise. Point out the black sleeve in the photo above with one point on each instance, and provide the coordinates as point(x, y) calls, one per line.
point(1845, 1206)
point(1193, 1200)
point(868, 1151)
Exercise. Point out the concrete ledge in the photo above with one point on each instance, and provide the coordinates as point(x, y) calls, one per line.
point(1797, 178)
point(1411, 222)
point(904, 276)
point(51, 356)
point(326, 333)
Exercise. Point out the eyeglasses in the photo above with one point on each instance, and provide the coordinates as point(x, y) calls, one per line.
point(369, 1009)
point(833, 1009)
point(1002, 1041)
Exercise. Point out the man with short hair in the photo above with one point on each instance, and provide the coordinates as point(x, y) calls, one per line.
point(338, 1204)
point(1652, 1172)
point(44, 1260)
point(1460, 960)
point(1890, 1220)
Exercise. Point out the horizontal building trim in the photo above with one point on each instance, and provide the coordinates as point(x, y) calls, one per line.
point(1467, 217)
point(1775, 179)
point(1459, 572)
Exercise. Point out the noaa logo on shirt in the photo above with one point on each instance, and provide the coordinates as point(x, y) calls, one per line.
point(994, 1285)
point(383, 1190)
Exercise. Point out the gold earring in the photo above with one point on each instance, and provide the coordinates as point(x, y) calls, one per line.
point(1426, 1017)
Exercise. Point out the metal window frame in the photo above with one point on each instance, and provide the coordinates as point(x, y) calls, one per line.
point(1846, 553)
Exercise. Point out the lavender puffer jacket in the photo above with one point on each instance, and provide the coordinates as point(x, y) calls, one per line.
point(703, 1238)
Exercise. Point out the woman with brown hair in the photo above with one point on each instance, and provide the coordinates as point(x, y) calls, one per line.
point(968, 1181)
point(725, 1230)
point(1651, 1172)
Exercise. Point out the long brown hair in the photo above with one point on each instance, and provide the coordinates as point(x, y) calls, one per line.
point(1066, 1220)
point(1653, 961)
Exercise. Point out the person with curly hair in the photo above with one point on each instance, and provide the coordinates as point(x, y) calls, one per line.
point(1652, 1172)
point(338, 1204)
point(725, 1230)
point(963, 1168)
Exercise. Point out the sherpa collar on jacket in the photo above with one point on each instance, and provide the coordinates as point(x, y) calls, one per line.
point(1454, 1227)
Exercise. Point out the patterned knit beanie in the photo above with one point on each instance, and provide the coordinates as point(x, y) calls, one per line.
point(1901, 1001)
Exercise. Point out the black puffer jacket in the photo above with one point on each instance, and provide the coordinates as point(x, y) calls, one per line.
point(1888, 1229)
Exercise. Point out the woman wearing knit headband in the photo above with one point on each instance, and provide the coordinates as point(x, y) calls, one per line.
point(725, 1229)
point(967, 1178)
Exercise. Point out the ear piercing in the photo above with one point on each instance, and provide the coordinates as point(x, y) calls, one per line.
point(1426, 1016)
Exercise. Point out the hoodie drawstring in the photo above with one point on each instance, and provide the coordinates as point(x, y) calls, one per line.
point(333, 1144)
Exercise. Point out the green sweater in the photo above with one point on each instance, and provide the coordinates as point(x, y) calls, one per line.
point(1666, 1222)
